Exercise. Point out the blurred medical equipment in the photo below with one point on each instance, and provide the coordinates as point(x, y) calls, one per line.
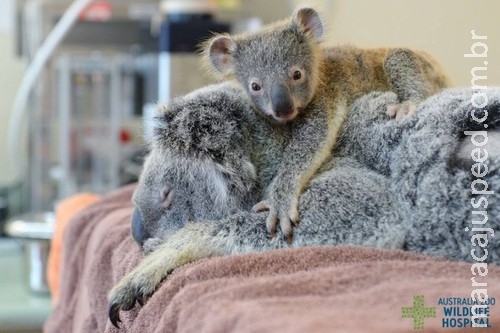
point(95, 71)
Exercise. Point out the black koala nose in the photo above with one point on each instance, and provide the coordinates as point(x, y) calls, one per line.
point(281, 100)
point(137, 227)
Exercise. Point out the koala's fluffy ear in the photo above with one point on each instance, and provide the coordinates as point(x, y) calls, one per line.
point(309, 19)
point(218, 53)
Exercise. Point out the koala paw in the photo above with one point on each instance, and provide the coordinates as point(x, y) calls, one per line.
point(405, 109)
point(189, 244)
point(135, 287)
point(287, 215)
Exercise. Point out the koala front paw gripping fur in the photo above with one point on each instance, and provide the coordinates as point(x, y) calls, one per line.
point(286, 214)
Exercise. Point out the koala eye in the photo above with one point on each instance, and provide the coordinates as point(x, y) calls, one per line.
point(166, 199)
point(255, 87)
point(297, 75)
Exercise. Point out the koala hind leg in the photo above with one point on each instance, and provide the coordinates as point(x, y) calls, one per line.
point(413, 76)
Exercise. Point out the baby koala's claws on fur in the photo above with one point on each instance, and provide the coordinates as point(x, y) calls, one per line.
point(286, 226)
point(294, 215)
point(286, 220)
point(261, 206)
point(405, 109)
point(272, 218)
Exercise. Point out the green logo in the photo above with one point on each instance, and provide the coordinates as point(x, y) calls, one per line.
point(418, 312)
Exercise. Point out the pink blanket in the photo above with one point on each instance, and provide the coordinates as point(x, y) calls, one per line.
point(324, 289)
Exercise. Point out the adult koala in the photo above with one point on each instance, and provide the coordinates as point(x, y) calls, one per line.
point(392, 184)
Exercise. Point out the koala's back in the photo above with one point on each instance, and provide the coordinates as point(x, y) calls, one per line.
point(349, 72)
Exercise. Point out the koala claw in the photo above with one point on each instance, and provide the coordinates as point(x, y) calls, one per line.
point(261, 206)
point(114, 314)
point(286, 220)
point(405, 109)
point(124, 300)
point(272, 218)
point(134, 288)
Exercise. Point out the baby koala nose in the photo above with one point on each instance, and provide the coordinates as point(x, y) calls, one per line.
point(281, 100)
point(138, 232)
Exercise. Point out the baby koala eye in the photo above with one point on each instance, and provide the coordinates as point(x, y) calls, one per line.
point(297, 75)
point(255, 87)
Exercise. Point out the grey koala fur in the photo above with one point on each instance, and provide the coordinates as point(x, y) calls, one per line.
point(392, 184)
point(291, 77)
point(212, 146)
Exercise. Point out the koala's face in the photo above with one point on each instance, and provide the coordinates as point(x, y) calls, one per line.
point(279, 71)
point(278, 65)
point(161, 206)
point(173, 191)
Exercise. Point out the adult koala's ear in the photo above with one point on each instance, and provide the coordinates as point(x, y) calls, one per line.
point(308, 19)
point(218, 52)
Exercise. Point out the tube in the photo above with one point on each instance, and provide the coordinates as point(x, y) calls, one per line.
point(41, 57)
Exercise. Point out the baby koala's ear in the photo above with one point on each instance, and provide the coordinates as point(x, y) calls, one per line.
point(218, 51)
point(308, 19)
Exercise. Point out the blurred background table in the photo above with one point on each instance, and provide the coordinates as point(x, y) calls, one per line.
point(21, 311)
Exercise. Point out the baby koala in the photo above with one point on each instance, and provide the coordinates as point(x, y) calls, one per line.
point(291, 78)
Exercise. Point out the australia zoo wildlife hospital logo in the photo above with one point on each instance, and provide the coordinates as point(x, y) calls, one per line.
point(452, 312)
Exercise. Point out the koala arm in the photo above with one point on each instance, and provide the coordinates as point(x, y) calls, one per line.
point(313, 139)
point(189, 244)
point(239, 233)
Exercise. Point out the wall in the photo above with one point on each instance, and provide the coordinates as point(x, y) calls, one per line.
point(442, 28)
point(11, 71)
